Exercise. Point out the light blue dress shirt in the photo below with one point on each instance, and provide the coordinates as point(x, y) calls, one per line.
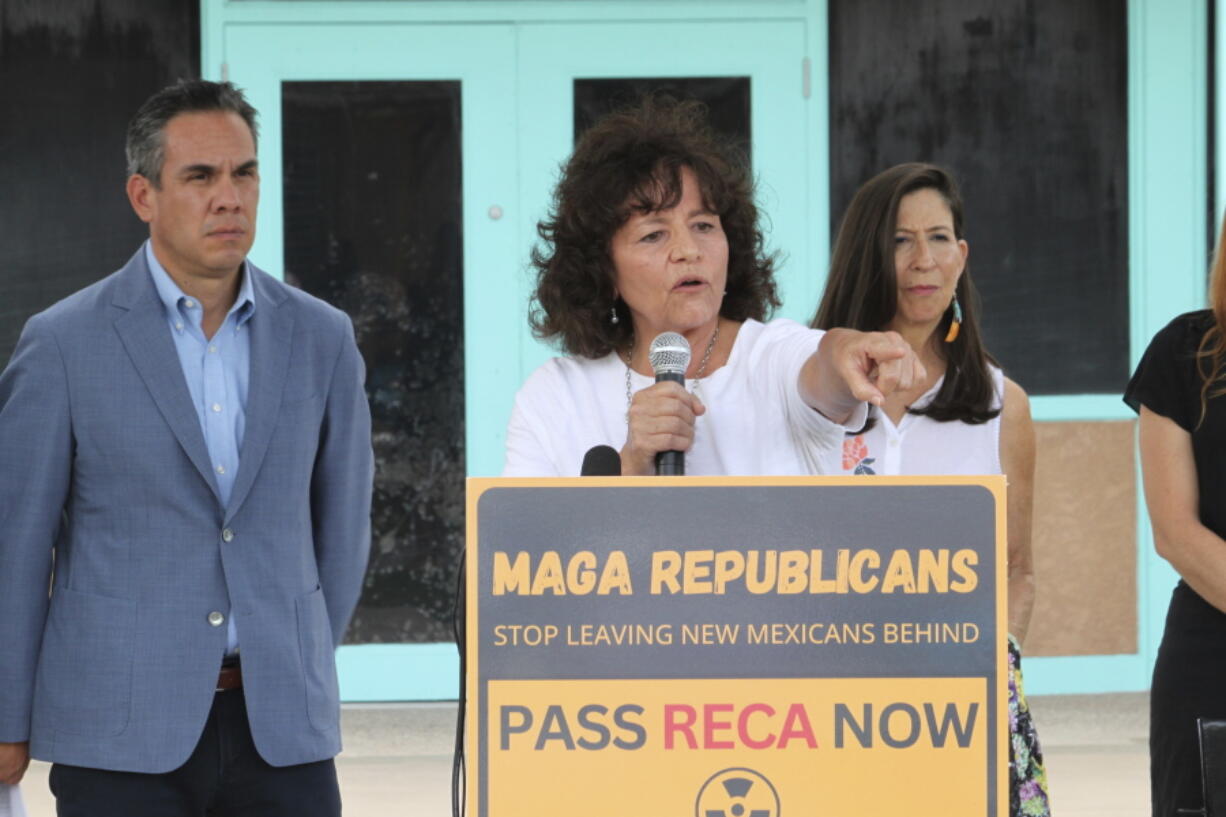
point(217, 372)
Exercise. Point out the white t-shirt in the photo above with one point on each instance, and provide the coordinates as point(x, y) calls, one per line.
point(921, 445)
point(756, 422)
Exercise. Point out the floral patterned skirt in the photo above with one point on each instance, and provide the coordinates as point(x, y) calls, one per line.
point(1027, 777)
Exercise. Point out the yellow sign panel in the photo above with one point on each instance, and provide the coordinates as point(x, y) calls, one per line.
point(863, 746)
point(737, 647)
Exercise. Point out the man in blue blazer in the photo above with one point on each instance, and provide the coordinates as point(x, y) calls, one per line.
point(185, 462)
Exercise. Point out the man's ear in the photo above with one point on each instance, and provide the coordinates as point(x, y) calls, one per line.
point(142, 196)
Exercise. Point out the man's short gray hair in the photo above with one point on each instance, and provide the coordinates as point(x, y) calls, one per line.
point(146, 145)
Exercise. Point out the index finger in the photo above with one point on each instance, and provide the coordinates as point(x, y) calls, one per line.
point(883, 346)
point(861, 386)
point(668, 389)
point(890, 376)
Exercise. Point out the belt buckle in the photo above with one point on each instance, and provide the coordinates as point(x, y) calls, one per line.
point(229, 677)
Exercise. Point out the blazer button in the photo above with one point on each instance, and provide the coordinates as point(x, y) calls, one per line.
point(227, 535)
point(216, 619)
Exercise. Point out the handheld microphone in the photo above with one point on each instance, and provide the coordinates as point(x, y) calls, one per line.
point(601, 461)
point(670, 357)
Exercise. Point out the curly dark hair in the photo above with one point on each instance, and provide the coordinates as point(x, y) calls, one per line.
point(862, 288)
point(630, 162)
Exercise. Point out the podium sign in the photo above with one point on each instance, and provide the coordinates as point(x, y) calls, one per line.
point(723, 647)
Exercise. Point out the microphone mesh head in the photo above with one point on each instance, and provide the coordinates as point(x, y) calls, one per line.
point(669, 354)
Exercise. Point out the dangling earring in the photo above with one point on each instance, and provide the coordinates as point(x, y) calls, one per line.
point(956, 323)
point(613, 319)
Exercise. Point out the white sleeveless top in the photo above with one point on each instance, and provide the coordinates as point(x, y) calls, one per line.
point(920, 445)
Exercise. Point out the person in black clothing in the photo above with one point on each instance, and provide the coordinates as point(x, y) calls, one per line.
point(1179, 390)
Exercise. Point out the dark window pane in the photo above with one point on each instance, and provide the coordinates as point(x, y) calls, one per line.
point(373, 225)
point(71, 76)
point(727, 99)
point(1027, 104)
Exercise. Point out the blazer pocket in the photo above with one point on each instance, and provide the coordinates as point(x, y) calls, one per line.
point(85, 668)
point(301, 416)
point(299, 398)
point(318, 662)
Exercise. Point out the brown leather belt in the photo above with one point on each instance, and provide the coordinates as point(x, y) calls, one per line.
point(230, 677)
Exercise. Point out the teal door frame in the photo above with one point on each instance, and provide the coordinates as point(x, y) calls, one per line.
point(544, 42)
point(259, 58)
point(1167, 176)
point(1170, 131)
point(517, 124)
point(768, 52)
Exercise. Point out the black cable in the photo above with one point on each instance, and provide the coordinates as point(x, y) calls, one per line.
point(458, 623)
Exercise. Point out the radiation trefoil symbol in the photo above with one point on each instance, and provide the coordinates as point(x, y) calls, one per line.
point(737, 793)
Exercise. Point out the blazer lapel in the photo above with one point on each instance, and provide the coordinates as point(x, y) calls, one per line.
point(272, 329)
point(145, 335)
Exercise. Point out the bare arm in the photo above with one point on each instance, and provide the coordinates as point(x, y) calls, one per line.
point(851, 367)
point(1017, 461)
point(1172, 495)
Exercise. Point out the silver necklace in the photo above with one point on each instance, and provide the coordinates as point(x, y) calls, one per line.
point(694, 388)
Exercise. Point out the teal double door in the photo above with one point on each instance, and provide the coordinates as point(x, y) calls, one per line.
point(404, 168)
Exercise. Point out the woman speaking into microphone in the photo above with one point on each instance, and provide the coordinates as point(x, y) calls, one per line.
point(653, 229)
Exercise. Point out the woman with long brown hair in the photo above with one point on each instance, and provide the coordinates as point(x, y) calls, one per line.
point(900, 265)
point(1178, 390)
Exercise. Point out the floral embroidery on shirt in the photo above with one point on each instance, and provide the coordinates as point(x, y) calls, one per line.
point(855, 455)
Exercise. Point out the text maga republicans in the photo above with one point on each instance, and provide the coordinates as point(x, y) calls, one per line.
point(696, 572)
